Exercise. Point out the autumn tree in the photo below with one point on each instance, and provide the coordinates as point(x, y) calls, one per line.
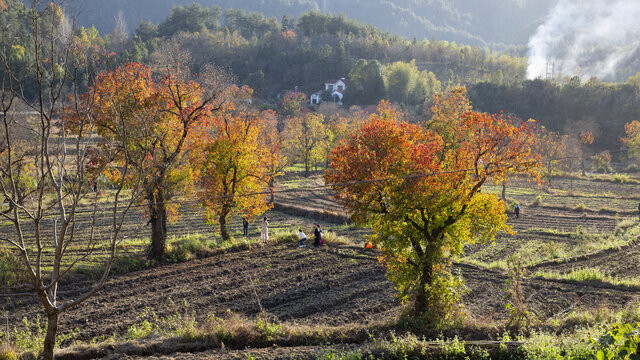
point(302, 138)
point(160, 114)
point(586, 138)
point(292, 104)
point(235, 155)
point(47, 160)
point(421, 194)
point(632, 140)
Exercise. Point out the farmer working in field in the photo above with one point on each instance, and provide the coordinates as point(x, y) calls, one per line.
point(318, 235)
point(10, 206)
point(302, 237)
point(245, 227)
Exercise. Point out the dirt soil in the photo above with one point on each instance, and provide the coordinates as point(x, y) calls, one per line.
point(337, 285)
point(328, 286)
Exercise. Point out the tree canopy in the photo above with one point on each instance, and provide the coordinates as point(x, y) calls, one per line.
point(420, 190)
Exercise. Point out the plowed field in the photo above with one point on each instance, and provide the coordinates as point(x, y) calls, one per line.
point(345, 284)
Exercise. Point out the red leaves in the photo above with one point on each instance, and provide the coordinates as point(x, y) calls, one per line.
point(390, 157)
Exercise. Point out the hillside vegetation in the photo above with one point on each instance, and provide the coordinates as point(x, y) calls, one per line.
point(466, 21)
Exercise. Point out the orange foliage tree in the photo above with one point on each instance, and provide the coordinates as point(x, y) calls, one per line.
point(632, 140)
point(236, 153)
point(153, 119)
point(420, 191)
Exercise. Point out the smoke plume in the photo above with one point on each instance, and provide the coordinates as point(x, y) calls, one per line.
point(586, 38)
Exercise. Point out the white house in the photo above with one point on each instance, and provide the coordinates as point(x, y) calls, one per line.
point(336, 87)
point(316, 98)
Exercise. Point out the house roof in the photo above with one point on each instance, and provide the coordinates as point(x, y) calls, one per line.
point(333, 81)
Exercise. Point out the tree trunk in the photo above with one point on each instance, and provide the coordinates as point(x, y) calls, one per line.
point(224, 231)
point(306, 166)
point(504, 191)
point(420, 305)
point(158, 221)
point(50, 338)
point(271, 183)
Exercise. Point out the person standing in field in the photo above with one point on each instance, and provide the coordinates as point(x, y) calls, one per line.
point(303, 237)
point(516, 210)
point(11, 206)
point(245, 227)
point(318, 236)
point(264, 232)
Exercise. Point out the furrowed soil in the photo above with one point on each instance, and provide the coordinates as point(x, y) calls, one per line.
point(344, 285)
point(326, 286)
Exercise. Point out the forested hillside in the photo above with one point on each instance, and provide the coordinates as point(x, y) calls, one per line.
point(472, 22)
point(275, 56)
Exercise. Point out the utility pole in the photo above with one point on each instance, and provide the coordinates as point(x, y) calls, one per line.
point(550, 70)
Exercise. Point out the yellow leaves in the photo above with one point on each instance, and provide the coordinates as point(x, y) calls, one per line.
point(586, 137)
point(235, 154)
point(17, 52)
point(419, 187)
point(632, 140)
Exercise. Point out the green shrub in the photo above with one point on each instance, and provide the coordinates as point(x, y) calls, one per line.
point(621, 178)
point(543, 346)
point(186, 248)
point(12, 270)
point(580, 207)
point(8, 353)
point(620, 342)
point(284, 237)
point(625, 227)
point(331, 238)
point(537, 201)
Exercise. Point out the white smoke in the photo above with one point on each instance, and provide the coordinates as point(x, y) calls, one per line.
point(585, 38)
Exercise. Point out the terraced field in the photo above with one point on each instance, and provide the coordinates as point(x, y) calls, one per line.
point(345, 284)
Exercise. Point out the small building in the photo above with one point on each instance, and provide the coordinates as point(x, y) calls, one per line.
point(316, 98)
point(336, 85)
point(335, 88)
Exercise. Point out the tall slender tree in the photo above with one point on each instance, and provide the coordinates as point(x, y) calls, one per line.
point(235, 155)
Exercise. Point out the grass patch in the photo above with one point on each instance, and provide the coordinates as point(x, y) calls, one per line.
point(8, 352)
point(28, 338)
point(587, 274)
point(236, 331)
point(180, 323)
point(621, 178)
point(333, 239)
point(281, 236)
point(552, 245)
point(537, 201)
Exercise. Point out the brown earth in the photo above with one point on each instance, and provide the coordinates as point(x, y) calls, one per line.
point(335, 285)
point(327, 286)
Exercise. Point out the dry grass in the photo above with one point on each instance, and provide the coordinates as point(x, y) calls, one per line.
point(8, 352)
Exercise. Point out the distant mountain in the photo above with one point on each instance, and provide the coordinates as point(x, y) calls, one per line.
point(471, 22)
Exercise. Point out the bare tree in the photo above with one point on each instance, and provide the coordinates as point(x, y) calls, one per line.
point(47, 161)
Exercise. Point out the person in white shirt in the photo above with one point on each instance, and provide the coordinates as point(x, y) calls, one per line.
point(302, 237)
point(264, 232)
